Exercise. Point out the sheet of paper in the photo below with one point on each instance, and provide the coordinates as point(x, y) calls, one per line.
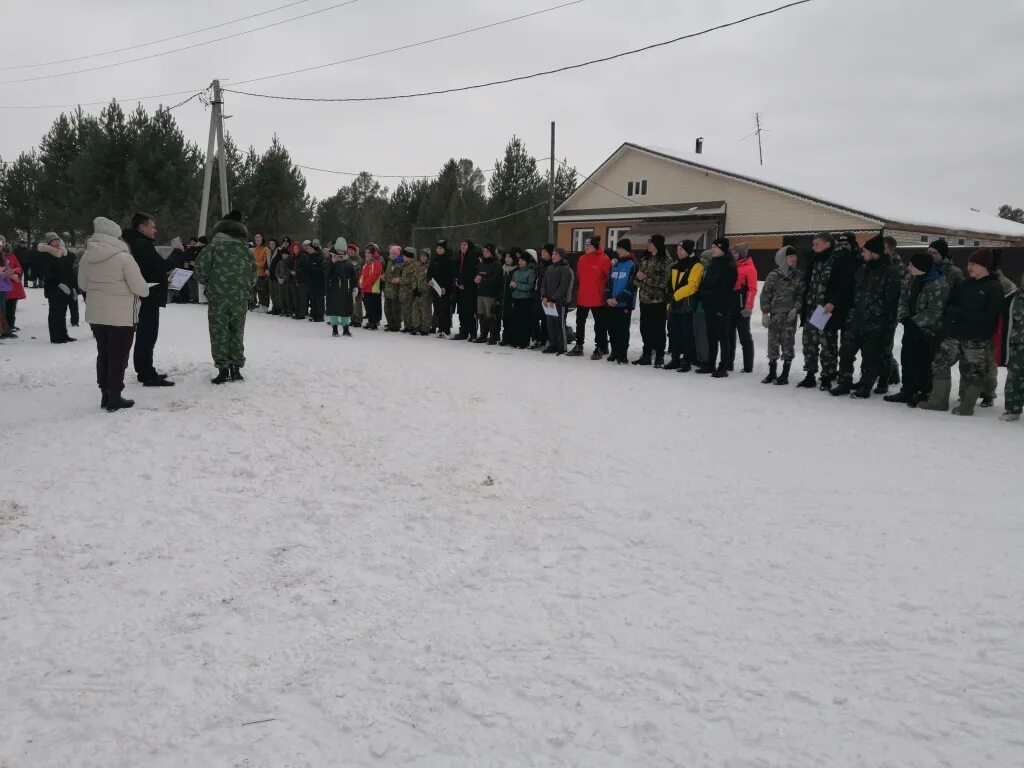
point(435, 286)
point(550, 310)
point(152, 285)
point(820, 318)
point(178, 279)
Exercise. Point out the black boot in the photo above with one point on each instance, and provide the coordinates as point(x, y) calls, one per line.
point(705, 369)
point(900, 397)
point(721, 373)
point(862, 392)
point(334, 331)
point(116, 403)
point(773, 372)
point(644, 359)
point(223, 376)
point(673, 364)
point(809, 382)
point(105, 399)
point(882, 387)
point(844, 387)
point(659, 360)
point(236, 373)
point(825, 385)
point(783, 379)
point(685, 366)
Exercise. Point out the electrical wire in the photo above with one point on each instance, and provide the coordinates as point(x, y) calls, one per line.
point(607, 189)
point(411, 45)
point(393, 175)
point(186, 101)
point(487, 221)
point(520, 78)
point(153, 42)
point(94, 103)
point(179, 50)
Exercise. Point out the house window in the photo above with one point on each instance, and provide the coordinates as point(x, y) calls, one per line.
point(614, 235)
point(580, 237)
point(962, 241)
point(977, 243)
point(636, 188)
point(643, 187)
point(924, 238)
point(629, 189)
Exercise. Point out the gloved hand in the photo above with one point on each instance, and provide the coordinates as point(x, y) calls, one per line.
point(791, 316)
point(766, 319)
point(65, 289)
point(747, 312)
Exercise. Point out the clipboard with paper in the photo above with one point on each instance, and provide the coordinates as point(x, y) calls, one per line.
point(178, 279)
point(819, 319)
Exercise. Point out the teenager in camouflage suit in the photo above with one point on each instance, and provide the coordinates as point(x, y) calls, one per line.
point(923, 298)
point(970, 319)
point(423, 295)
point(407, 289)
point(872, 318)
point(988, 392)
point(652, 275)
point(1014, 392)
point(892, 367)
point(392, 289)
point(819, 345)
point(228, 271)
point(781, 302)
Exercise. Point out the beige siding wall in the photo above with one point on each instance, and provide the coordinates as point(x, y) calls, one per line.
point(913, 237)
point(750, 208)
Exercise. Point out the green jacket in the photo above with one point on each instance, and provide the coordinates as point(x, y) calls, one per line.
point(526, 282)
point(225, 266)
point(407, 288)
point(931, 301)
point(876, 297)
point(393, 271)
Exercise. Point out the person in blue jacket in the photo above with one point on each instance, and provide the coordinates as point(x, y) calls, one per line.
point(620, 296)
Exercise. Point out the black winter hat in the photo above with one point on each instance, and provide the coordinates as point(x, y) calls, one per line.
point(722, 244)
point(849, 238)
point(922, 261)
point(688, 246)
point(441, 244)
point(659, 241)
point(596, 241)
point(983, 257)
point(235, 215)
point(549, 247)
point(490, 247)
point(627, 244)
point(942, 247)
point(876, 245)
point(203, 239)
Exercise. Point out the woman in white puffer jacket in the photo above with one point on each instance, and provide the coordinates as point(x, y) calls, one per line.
point(113, 285)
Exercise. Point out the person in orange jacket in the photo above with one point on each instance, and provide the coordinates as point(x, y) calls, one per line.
point(743, 307)
point(369, 284)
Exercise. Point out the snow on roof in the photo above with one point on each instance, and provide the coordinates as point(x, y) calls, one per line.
point(839, 191)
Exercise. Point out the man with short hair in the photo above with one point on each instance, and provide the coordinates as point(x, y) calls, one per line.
point(819, 344)
point(140, 237)
point(465, 290)
point(718, 295)
point(593, 269)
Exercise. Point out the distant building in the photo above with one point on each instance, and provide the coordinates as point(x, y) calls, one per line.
point(642, 190)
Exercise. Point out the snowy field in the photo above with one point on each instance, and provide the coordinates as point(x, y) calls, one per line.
point(394, 551)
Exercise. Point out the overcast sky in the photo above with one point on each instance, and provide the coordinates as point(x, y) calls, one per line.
point(923, 95)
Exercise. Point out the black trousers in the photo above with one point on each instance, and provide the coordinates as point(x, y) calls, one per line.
point(600, 326)
point(522, 321)
point(740, 326)
point(301, 301)
point(916, 358)
point(374, 308)
point(540, 330)
point(11, 311)
point(719, 335)
point(442, 312)
point(316, 305)
point(467, 312)
point(73, 308)
point(652, 328)
point(618, 322)
point(145, 341)
point(555, 327)
point(871, 346)
point(57, 318)
point(684, 342)
point(113, 344)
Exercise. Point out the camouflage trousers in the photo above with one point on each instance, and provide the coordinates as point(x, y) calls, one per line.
point(874, 360)
point(422, 313)
point(781, 335)
point(227, 330)
point(988, 389)
point(823, 346)
point(970, 354)
point(1014, 391)
point(393, 312)
point(407, 301)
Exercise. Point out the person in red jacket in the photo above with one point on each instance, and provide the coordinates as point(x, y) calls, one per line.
point(742, 307)
point(592, 271)
point(15, 274)
point(369, 284)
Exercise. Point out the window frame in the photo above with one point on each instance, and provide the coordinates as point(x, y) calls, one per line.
point(579, 239)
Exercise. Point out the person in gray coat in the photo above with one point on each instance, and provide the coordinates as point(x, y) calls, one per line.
point(555, 295)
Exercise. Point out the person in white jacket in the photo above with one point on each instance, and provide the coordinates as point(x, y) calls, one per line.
point(113, 286)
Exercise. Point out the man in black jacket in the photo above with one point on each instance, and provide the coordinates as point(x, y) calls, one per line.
point(717, 295)
point(154, 270)
point(970, 320)
point(54, 264)
point(465, 289)
point(442, 271)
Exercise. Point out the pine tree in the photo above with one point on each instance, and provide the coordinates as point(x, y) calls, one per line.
point(516, 185)
point(19, 198)
point(273, 197)
point(1011, 213)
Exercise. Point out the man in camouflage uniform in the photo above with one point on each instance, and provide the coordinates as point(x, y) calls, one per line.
point(652, 275)
point(392, 289)
point(407, 288)
point(871, 320)
point(228, 271)
point(1014, 392)
point(939, 251)
point(780, 307)
point(423, 295)
point(891, 375)
point(819, 345)
point(988, 392)
point(970, 319)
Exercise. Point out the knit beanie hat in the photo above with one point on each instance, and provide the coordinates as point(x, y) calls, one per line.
point(442, 244)
point(531, 255)
point(49, 237)
point(409, 251)
point(659, 241)
point(235, 215)
point(983, 257)
point(942, 247)
point(849, 239)
point(489, 247)
point(922, 262)
point(783, 253)
point(876, 245)
point(550, 248)
point(104, 226)
point(315, 243)
point(688, 246)
point(353, 247)
point(394, 250)
point(627, 245)
point(425, 252)
point(341, 245)
point(722, 244)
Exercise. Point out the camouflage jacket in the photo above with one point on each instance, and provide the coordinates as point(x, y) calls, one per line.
point(816, 286)
point(654, 289)
point(417, 272)
point(225, 266)
point(876, 297)
point(931, 301)
point(783, 291)
point(1015, 331)
point(407, 288)
point(952, 272)
point(393, 271)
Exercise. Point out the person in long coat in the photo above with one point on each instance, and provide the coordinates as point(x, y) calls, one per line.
point(341, 286)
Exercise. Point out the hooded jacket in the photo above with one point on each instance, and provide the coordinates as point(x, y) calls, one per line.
point(746, 278)
point(717, 288)
point(841, 285)
point(369, 280)
point(592, 273)
point(110, 277)
point(783, 291)
point(341, 284)
point(876, 297)
point(16, 292)
point(396, 265)
point(818, 276)
point(225, 266)
point(261, 257)
point(491, 275)
point(442, 271)
point(525, 279)
point(57, 267)
point(684, 282)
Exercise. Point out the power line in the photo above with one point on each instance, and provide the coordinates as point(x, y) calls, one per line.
point(179, 50)
point(186, 101)
point(411, 45)
point(393, 175)
point(94, 103)
point(488, 221)
point(520, 78)
point(607, 189)
point(153, 42)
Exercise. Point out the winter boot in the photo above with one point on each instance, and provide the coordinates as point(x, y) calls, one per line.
point(706, 369)
point(659, 360)
point(1009, 416)
point(223, 376)
point(968, 401)
point(939, 400)
point(105, 399)
point(773, 372)
point(236, 373)
point(672, 365)
point(597, 354)
point(685, 366)
point(987, 401)
point(549, 350)
point(644, 359)
point(334, 331)
point(783, 379)
point(861, 392)
point(809, 382)
point(116, 403)
point(576, 351)
point(844, 387)
point(900, 397)
point(825, 385)
point(722, 372)
point(346, 332)
point(881, 388)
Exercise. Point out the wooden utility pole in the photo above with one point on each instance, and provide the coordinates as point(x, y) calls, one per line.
point(757, 121)
point(551, 189)
point(214, 145)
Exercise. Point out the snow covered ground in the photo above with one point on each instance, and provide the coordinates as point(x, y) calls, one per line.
point(394, 551)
